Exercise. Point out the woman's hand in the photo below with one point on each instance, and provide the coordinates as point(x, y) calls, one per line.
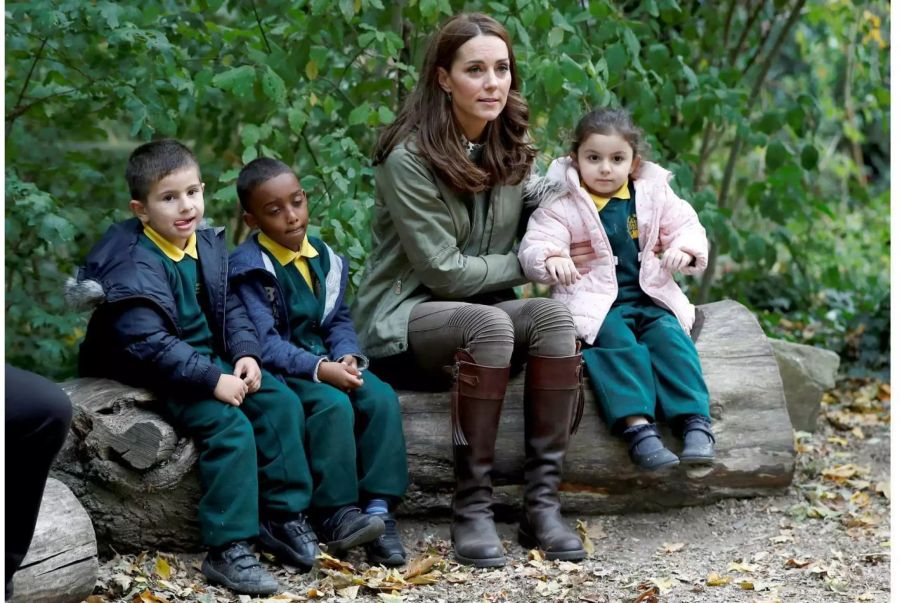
point(562, 270)
point(583, 255)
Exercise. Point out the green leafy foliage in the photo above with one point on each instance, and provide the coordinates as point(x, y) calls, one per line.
point(772, 116)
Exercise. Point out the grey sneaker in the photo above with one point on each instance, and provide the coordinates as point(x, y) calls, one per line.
point(237, 568)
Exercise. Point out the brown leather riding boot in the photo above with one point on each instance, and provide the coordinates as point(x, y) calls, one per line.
point(476, 400)
point(554, 402)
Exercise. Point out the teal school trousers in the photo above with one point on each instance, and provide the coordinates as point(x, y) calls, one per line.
point(643, 363)
point(354, 441)
point(251, 461)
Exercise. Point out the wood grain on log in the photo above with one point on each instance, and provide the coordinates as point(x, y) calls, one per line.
point(61, 565)
point(136, 507)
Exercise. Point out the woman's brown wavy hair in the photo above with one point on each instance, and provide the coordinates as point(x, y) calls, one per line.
point(428, 113)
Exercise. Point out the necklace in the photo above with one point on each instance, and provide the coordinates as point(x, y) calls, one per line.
point(471, 147)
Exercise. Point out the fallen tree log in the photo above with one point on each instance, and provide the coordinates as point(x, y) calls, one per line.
point(61, 565)
point(138, 480)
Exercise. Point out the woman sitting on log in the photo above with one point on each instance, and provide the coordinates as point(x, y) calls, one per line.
point(437, 292)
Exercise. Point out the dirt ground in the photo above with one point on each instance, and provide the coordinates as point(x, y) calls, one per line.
point(826, 539)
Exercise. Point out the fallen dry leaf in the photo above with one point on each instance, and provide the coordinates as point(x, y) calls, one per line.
point(797, 563)
point(744, 568)
point(162, 568)
point(715, 579)
point(421, 565)
point(746, 585)
point(569, 567)
point(663, 584)
point(860, 499)
point(647, 593)
point(535, 555)
point(582, 530)
point(670, 548)
point(884, 488)
point(326, 561)
point(861, 521)
point(148, 597)
point(841, 473)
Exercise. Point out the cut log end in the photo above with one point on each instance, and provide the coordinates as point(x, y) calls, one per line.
point(61, 565)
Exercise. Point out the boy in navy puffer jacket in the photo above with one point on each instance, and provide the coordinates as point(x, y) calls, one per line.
point(165, 321)
point(293, 287)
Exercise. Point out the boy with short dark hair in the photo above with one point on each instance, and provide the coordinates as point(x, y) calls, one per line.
point(293, 288)
point(165, 321)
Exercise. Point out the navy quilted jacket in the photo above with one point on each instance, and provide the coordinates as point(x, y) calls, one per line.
point(134, 336)
point(255, 283)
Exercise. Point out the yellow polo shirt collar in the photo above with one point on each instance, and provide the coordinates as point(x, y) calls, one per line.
point(600, 202)
point(170, 249)
point(287, 256)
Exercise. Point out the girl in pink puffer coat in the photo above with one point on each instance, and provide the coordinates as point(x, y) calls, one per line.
point(632, 315)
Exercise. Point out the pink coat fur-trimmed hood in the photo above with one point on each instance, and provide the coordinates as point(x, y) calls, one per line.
point(664, 221)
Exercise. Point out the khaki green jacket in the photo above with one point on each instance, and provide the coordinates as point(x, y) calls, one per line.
point(419, 227)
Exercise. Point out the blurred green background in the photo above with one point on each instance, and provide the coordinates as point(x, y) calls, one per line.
point(773, 115)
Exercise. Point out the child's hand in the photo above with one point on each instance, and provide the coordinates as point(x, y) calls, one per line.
point(338, 374)
point(350, 360)
point(247, 369)
point(562, 270)
point(675, 259)
point(230, 389)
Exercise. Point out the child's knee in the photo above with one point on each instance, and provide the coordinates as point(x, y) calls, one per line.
point(336, 406)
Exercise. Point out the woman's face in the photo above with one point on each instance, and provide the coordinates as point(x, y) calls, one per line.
point(478, 83)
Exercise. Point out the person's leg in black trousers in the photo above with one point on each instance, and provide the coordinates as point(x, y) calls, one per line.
point(38, 414)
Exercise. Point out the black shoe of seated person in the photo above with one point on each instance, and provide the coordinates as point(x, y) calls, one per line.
point(699, 442)
point(646, 449)
point(349, 527)
point(237, 568)
point(292, 542)
point(387, 549)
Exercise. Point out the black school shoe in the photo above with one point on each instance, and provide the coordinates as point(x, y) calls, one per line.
point(699, 442)
point(646, 449)
point(237, 568)
point(387, 549)
point(347, 528)
point(292, 542)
